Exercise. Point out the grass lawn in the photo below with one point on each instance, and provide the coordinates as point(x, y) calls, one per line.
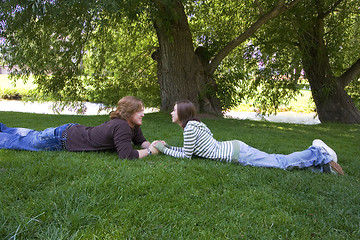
point(9, 90)
point(5, 83)
point(64, 195)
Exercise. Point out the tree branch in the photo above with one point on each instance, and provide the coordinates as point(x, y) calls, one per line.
point(264, 18)
point(261, 10)
point(350, 74)
point(331, 8)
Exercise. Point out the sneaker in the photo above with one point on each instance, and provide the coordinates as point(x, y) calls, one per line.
point(333, 167)
point(319, 143)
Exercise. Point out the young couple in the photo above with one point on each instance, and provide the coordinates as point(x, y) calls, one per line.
point(123, 130)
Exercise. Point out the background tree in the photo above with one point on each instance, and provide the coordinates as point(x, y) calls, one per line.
point(44, 37)
point(321, 37)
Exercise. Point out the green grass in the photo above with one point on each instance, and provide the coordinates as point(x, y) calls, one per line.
point(64, 195)
point(18, 90)
point(5, 83)
point(303, 103)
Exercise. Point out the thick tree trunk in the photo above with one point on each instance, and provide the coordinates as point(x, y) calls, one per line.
point(336, 107)
point(333, 104)
point(181, 72)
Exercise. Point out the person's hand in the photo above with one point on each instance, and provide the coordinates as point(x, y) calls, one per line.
point(159, 145)
point(153, 150)
point(156, 141)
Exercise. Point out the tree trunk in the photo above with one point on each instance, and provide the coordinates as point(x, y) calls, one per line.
point(337, 107)
point(332, 102)
point(181, 72)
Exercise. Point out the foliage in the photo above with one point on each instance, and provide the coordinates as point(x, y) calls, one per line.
point(42, 47)
point(118, 63)
point(242, 74)
point(214, 23)
point(13, 94)
point(64, 195)
point(342, 36)
point(241, 81)
point(100, 50)
point(279, 40)
point(354, 91)
point(57, 38)
point(230, 77)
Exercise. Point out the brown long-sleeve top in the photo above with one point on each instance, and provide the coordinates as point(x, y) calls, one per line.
point(115, 134)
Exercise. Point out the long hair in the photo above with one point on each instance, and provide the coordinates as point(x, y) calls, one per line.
point(127, 106)
point(186, 112)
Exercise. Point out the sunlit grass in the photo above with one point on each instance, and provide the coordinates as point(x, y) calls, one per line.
point(303, 103)
point(5, 83)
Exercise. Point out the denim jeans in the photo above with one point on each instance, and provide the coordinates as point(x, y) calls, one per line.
point(313, 158)
point(49, 139)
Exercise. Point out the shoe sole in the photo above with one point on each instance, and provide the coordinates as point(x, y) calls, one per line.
point(336, 167)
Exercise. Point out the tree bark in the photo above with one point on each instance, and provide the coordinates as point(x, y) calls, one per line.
point(181, 72)
point(337, 107)
point(333, 104)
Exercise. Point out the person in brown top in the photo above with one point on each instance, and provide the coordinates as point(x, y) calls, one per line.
point(119, 134)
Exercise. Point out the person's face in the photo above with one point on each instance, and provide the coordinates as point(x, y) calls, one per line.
point(136, 118)
point(174, 115)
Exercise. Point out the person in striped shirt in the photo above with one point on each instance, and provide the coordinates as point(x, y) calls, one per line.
point(199, 142)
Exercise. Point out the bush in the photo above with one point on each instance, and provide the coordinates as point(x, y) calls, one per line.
point(13, 94)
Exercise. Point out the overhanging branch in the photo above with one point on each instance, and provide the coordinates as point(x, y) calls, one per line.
point(331, 8)
point(264, 18)
point(350, 74)
point(260, 7)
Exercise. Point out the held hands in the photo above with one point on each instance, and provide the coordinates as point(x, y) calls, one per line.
point(159, 145)
point(153, 149)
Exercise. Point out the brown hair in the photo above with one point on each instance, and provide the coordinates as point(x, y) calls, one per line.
point(127, 106)
point(186, 112)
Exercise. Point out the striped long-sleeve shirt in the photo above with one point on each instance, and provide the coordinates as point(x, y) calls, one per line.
point(199, 141)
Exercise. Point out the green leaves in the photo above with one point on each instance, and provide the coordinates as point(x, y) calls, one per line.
point(118, 62)
point(100, 50)
point(64, 43)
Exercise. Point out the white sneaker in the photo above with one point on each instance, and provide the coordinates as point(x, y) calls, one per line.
point(321, 144)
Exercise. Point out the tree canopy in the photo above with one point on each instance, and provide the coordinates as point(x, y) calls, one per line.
point(204, 51)
point(321, 38)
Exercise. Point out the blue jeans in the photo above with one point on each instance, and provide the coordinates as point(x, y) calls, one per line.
point(313, 158)
point(49, 139)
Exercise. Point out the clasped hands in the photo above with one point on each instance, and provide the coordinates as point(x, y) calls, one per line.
point(157, 146)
